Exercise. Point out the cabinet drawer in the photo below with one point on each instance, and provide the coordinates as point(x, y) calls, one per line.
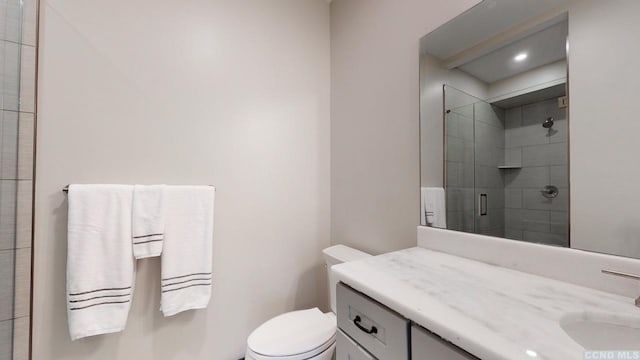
point(428, 346)
point(358, 316)
point(346, 349)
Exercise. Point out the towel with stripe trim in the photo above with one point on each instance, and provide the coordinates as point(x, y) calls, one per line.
point(148, 220)
point(100, 265)
point(188, 245)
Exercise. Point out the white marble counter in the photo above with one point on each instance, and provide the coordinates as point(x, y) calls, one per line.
point(491, 312)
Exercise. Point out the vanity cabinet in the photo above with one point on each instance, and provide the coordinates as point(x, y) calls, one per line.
point(428, 346)
point(375, 328)
point(368, 330)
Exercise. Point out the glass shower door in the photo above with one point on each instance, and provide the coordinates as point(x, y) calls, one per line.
point(459, 132)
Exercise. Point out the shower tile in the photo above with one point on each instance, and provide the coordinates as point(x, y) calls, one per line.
point(28, 79)
point(537, 113)
point(513, 198)
point(6, 339)
point(542, 155)
point(22, 282)
point(533, 199)
point(545, 238)
point(29, 21)
point(528, 177)
point(490, 115)
point(488, 177)
point(513, 118)
point(454, 220)
point(10, 74)
point(489, 155)
point(489, 135)
point(10, 17)
point(453, 171)
point(25, 146)
point(535, 220)
point(525, 136)
point(24, 211)
point(451, 125)
point(9, 145)
point(6, 283)
point(455, 149)
point(513, 219)
point(465, 111)
point(513, 156)
point(559, 222)
point(21, 338)
point(559, 133)
point(495, 197)
point(559, 176)
point(513, 234)
point(8, 190)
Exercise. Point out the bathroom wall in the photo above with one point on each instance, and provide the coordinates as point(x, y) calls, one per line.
point(604, 129)
point(233, 93)
point(542, 155)
point(375, 177)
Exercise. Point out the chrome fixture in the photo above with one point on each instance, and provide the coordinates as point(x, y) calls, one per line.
point(547, 124)
point(624, 275)
point(549, 191)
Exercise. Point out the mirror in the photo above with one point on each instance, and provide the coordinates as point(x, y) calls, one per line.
point(495, 133)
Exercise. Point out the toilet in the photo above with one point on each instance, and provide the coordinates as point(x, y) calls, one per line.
point(305, 334)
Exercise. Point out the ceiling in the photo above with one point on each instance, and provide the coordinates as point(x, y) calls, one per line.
point(481, 22)
point(542, 48)
point(532, 97)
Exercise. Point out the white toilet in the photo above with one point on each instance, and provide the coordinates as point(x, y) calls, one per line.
point(305, 334)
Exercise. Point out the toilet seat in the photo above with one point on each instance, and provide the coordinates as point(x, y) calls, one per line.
point(297, 335)
point(329, 346)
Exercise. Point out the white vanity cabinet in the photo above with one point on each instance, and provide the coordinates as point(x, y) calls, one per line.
point(428, 346)
point(368, 330)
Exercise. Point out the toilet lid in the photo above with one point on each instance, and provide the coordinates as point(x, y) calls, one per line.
point(292, 333)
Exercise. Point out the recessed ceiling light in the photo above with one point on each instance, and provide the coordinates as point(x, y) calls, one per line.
point(520, 57)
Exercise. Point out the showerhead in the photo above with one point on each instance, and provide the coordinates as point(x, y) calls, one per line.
point(547, 124)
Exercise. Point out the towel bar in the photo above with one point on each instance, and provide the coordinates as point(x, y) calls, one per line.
point(66, 188)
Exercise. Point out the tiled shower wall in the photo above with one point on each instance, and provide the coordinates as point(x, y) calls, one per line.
point(543, 155)
point(489, 154)
point(18, 20)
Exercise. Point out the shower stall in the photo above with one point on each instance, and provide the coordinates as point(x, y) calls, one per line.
point(506, 165)
point(18, 24)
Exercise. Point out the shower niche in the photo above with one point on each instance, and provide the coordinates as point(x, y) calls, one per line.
point(506, 164)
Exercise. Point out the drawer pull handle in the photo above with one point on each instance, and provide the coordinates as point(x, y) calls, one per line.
point(356, 322)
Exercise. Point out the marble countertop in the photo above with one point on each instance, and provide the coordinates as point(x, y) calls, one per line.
point(489, 311)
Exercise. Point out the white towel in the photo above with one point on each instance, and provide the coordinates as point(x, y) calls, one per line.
point(100, 264)
point(432, 207)
point(187, 257)
point(148, 220)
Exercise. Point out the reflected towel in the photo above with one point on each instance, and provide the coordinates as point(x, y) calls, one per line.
point(432, 207)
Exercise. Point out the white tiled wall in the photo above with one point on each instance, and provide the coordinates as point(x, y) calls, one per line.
point(17, 120)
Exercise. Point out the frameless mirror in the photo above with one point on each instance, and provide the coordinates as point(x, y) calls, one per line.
point(494, 122)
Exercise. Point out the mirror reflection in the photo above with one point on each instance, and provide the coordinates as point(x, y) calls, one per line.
point(494, 125)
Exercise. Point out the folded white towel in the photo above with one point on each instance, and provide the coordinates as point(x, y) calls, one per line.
point(100, 265)
point(187, 257)
point(432, 207)
point(148, 220)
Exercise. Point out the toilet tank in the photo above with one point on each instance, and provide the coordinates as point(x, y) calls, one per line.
point(339, 254)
